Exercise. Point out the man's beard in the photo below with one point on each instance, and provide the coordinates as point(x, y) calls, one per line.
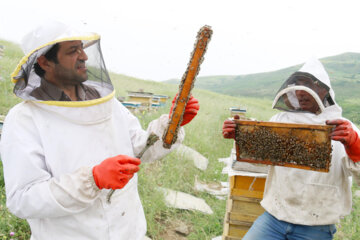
point(69, 77)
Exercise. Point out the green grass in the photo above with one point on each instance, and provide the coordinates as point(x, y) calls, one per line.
point(349, 228)
point(12, 54)
point(202, 134)
point(8, 222)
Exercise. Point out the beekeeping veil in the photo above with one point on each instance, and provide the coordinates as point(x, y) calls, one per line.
point(311, 78)
point(41, 40)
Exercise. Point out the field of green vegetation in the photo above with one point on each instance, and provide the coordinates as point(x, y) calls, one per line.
point(203, 135)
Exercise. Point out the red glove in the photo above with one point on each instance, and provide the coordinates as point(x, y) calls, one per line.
point(115, 172)
point(191, 109)
point(228, 129)
point(344, 133)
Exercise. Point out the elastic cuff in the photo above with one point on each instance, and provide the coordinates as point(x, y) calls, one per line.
point(90, 181)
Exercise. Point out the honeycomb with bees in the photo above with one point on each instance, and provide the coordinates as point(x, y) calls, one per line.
point(302, 146)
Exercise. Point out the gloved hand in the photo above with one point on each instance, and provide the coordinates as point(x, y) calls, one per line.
point(191, 109)
point(228, 129)
point(115, 172)
point(344, 133)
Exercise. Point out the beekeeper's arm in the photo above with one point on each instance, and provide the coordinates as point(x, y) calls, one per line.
point(158, 126)
point(77, 191)
point(348, 134)
point(116, 172)
point(32, 191)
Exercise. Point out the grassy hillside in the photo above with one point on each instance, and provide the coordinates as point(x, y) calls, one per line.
point(344, 72)
point(203, 135)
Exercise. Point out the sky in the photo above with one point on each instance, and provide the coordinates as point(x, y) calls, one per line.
point(153, 39)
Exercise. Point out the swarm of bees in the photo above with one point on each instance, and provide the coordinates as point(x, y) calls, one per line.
point(262, 144)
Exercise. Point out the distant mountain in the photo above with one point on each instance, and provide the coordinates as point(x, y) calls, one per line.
point(344, 72)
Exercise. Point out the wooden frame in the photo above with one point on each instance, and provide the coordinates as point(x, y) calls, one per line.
point(310, 140)
point(187, 83)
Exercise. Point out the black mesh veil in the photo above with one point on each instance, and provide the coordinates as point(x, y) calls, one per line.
point(287, 98)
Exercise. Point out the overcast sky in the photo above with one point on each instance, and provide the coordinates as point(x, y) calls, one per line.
point(153, 39)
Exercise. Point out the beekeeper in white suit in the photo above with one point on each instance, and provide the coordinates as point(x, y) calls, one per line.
point(71, 141)
point(301, 204)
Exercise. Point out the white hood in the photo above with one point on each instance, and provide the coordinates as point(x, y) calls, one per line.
point(287, 101)
point(315, 68)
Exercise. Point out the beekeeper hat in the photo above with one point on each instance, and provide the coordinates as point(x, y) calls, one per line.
point(317, 80)
point(40, 40)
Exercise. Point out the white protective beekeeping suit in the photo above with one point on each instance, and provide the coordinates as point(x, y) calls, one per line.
point(48, 149)
point(309, 197)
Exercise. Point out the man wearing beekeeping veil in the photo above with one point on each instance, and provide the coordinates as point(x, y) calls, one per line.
point(302, 204)
point(70, 142)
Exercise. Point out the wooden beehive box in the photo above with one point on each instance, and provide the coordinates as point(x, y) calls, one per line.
point(243, 205)
point(302, 146)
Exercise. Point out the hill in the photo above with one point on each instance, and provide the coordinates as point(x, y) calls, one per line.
point(344, 72)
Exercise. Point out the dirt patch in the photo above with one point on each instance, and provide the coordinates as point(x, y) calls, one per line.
point(176, 230)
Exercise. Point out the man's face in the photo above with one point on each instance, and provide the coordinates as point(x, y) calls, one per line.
point(70, 69)
point(306, 101)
